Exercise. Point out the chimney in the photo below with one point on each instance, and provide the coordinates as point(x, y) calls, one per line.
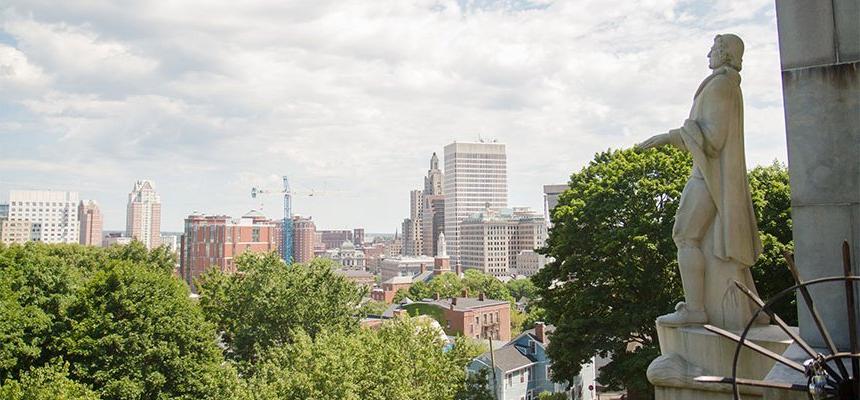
point(423, 268)
point(539, 331)
point(453, 302)
point(465, 292)
point(481, 296)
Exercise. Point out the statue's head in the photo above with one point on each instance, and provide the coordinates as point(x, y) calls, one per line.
point(728, 49)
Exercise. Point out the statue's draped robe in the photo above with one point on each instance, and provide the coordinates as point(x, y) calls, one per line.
point(714, 136)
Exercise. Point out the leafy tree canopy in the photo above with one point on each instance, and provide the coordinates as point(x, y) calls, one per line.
point(50, 382)
point(615, 266)
point(404, 359)
point(262, 305)
point(519, 288)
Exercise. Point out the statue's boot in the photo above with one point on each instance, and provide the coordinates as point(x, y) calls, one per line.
point(691, 263)
point(683, 316)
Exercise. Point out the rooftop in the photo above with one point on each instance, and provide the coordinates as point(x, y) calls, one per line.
point(467, 303)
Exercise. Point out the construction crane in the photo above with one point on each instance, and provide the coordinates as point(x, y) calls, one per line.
point(287, 225)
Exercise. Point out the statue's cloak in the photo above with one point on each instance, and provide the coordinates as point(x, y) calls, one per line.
point(714, 135)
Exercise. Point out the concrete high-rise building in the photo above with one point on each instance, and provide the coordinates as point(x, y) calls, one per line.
point(90, 218)
point(143, 214)
point(52, 216)
point(550, 200)
point(4, 211)
point(214, 241)
point(475, 179)
point(432, 223)
point(412, 243)
point(304, 239)
point(492, 240)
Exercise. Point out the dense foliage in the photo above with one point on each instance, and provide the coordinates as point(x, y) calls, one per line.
point(123, 323)
point(404, 359)
point(267, 301)
point(88, 323)
point(615, 269)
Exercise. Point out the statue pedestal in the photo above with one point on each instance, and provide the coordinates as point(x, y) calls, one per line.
point(692, 351)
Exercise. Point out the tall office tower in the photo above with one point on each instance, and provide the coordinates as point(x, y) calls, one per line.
point(304, 239)
point(215, 241)
point(433, 209)
point(550, 200)
point(475, 178)
point(358, 237)
point(412, 233)
point(407, 241)
point(143, 215)
point(52, 216)
point(91, 223)
point(4, 210)
point(433, 180)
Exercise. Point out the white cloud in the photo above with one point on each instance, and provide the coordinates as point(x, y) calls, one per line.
point(210, 98)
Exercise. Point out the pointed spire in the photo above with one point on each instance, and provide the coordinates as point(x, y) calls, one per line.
point(434, 161)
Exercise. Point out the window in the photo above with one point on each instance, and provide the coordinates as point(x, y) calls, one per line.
point(255, 234)
point(510, 379)
point(522, 376)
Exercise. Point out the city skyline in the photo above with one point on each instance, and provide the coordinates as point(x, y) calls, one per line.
point(97, 98)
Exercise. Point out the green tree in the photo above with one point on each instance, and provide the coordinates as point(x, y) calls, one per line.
point(478, 282)
point(134, 333)
point(160, 258)
point(477, 387)
point(520, 288)
point(399, 295)
point(446, 285)
point(372, 307)
point(771, 197)
point(615, 258)
point(262, 305)
point(404, 359)
point(552, 396)
point(615, 269)
point(420, 290)
point(37, 283)
point(50, 382)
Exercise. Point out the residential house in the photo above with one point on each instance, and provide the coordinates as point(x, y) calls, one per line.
point(520, 370)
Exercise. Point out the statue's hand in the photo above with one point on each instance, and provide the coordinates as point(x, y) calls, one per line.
point(654, 141)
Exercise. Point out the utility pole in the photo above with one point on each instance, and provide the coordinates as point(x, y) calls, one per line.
point(493, 365)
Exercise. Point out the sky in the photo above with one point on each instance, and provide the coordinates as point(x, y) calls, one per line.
point(349, 98)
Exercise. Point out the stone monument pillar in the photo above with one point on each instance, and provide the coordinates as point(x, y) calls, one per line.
point(819, 46)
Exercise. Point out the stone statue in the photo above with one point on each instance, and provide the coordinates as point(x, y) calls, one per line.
point(715, 228)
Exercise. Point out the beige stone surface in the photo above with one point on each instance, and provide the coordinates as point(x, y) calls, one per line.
point(688, 352)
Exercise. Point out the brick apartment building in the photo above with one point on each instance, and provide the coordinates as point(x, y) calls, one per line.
point(478, 318)
point(215, 240)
